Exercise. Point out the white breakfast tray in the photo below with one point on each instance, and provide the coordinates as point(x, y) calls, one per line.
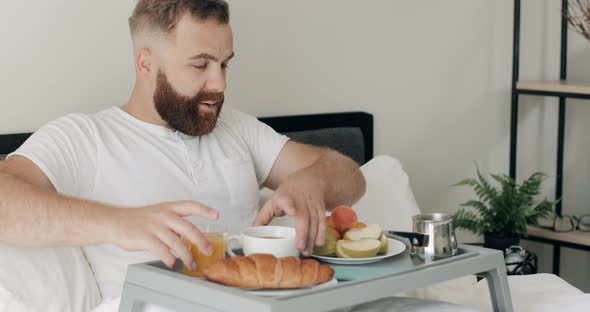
point(153, 282)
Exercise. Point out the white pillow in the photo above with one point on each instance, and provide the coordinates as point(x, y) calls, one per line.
point(46, 279)
point(389, 200)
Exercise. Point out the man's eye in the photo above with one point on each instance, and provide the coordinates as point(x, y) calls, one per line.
point(224, 66)
point(200, 67)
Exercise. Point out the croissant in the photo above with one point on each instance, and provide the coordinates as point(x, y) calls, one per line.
point(266, 271)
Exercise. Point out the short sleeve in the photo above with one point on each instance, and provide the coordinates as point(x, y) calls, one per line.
point(264, 143)
point(64, 150)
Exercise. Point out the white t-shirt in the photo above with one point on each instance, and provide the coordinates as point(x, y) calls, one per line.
point(114, 158)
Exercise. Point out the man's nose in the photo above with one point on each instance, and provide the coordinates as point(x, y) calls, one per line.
point(216, 81)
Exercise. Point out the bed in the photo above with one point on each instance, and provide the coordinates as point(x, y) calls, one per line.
point(350, 133)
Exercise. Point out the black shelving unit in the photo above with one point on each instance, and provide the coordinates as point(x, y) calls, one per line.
point(563, 90)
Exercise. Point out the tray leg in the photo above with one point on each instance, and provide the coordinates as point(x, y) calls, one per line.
point(499, 290)
point(129, 298)
point(134, 299)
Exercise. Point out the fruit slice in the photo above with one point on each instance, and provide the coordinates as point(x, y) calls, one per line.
point(360, 249)
point(332, 234)
point(328, 249)
point(339, 252)
point(330, 222)
point(384, 245)
point(373, 231)
point(358, 225)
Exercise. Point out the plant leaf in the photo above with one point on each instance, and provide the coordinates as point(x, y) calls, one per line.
point(505, 210)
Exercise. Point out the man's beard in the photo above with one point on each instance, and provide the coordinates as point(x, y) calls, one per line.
point(184, 113)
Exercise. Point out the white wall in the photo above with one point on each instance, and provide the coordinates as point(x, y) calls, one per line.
point(435, 74)
point(61, 56)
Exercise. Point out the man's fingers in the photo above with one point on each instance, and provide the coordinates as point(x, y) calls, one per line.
point(187, 208)
point(265, 214)
point(301, 230)
point(321, 237)
point(162, 251)
point(187, 230)
point(177, 247)
point(313, 228)
point(286, 204)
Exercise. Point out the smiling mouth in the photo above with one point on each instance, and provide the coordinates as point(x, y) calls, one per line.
point(209, 106)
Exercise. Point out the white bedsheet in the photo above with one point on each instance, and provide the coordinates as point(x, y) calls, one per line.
point(539, 293)
point(112, 305)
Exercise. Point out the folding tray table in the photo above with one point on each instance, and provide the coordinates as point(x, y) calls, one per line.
point(153, 282)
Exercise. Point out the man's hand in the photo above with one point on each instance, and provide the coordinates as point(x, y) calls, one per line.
point(300, 196)
point(159, 228)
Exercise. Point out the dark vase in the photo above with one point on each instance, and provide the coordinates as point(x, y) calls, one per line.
point(499, 243)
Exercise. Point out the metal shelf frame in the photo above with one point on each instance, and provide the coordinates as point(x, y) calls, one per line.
point(562, 95)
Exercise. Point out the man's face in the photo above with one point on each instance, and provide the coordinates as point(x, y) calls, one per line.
point(196, 115)
point(190, 83)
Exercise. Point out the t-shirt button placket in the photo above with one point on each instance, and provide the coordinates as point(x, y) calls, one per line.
point(187, 157)
point(198, 177)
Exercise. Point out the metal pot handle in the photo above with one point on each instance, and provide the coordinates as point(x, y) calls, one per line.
point(416, 239)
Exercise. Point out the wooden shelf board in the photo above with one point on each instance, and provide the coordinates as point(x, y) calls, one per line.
point(561, 86)
point(576, 237)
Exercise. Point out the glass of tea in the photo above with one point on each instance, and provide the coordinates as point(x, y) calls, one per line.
point(217, 236)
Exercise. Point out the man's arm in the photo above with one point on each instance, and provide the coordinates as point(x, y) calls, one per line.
point(308, 181)
point(344, 182)
point(33, 214)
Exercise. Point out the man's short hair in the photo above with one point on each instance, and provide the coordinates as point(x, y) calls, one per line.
point(163, 15)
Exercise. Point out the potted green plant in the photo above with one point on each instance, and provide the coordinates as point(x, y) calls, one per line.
point(503, 212)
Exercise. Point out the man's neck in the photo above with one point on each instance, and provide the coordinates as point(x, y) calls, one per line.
point(143, 108)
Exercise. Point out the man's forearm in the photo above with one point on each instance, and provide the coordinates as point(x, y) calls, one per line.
point(343, 181)
point(31, 217)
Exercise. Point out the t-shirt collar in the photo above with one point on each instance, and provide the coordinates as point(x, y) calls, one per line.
point(152, 128)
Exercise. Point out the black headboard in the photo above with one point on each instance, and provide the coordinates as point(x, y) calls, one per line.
point(10, 142)
point(350, 133)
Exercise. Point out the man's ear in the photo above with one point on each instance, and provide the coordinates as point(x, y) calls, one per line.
point(144, 62)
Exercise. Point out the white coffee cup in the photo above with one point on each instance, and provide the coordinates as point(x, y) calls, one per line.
point(276, 240)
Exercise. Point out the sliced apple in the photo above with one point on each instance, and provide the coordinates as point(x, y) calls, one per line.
point(373, 231)
point(384, 245)
point(360, 249)
point(327, 249)
point(339, 252)
point(358, 225)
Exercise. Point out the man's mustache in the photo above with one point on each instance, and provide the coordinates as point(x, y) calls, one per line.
point(216, 97)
